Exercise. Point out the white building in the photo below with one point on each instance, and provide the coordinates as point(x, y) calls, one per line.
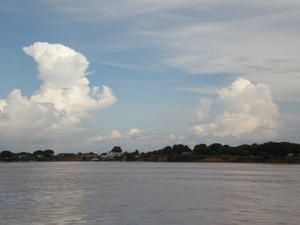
point(115, 153)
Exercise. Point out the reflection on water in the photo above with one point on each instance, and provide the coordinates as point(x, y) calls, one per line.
point(149, 193)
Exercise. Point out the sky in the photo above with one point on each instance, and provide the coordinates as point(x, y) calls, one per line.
point(85, 75)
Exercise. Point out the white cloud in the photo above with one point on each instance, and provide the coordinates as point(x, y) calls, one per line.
point(144, 141)
point(61, 102)
point(204, 111)
point(255, 39)
point(115, 134)
point(172, 137)
point(134, 132)
point(244, 110)
point(63, 72)
point(260, 47)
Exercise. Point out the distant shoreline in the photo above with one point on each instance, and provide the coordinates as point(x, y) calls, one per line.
point(158, 162)
point(271, 152)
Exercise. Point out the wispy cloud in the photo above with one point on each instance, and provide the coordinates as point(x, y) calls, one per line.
point(256, 39)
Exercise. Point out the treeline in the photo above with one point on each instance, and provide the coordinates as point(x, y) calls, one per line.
point(46, 155)
point(280, 152)
point(38, 155)
point(267, 152)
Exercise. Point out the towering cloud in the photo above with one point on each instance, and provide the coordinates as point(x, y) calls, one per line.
point(63, 99)
point(242, 109)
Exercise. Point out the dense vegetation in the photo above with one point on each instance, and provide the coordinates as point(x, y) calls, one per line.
point(267, 152)
point(284, 152)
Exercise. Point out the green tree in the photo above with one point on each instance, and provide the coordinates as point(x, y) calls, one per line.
point(49, 152)
point(6, 154)
point(200, 149)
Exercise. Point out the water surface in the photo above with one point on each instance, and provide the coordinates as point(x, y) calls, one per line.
point(149, 193)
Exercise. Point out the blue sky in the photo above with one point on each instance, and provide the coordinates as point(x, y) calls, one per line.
point(180, 71)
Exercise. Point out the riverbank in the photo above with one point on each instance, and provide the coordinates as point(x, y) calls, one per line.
point(271, 152)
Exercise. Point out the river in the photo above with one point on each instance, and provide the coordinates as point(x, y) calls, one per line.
point(116, 193)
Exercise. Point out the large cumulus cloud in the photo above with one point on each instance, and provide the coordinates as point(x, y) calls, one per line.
point(243, 109)
point(63, 99)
